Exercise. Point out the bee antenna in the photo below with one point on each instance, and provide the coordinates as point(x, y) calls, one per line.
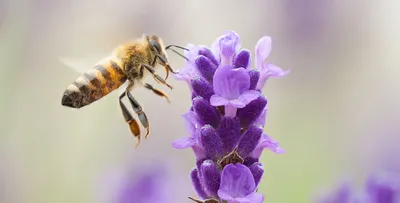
point(179, 47)
point(169, 47)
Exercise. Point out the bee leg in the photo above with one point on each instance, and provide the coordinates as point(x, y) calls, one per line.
point(138, 110)
point(133, 125)
point(156, 76)
point(154, 63)
point(156, 91)
point(166, 64)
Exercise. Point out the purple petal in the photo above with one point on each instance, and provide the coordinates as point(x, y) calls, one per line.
point(257, 169)
point(190, 119)
point(231, 83)
point(242, 59)
point(255, 198)
point(237, 104)
point(254, 77)
point(205, 67)
point(215, 49)
point(211, 142)
point(185, 74)
point(204, 51)
point(271, 144)
point(261, 119)
point(267, 71)
point(236, 182)
point(220, 82)
point(207, 114)
point(248, 96)
point(211, 177)
point(217, 100)
point(192, 53)
point(250, 140)
point(229, 132)
point(182, 75)
point(202, 88)
point(197, 184)
point(263, 49)
point(184, 143)
point(230, 111)
point(228, 45)
point(189, 70)
point(266, 142)
point(252, 111)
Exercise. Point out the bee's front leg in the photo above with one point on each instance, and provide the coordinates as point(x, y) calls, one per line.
point(166, 64)
point(154, 63)
point(156, 76)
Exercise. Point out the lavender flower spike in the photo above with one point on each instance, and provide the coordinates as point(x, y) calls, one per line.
point(226, 121)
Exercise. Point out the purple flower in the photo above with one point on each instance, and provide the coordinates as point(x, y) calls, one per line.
point(226, 121)
point(189, 71)
point(191, 123)
point(266, 142)
point(238, 186)
point(267, 70)
point(231, 88)
point(229, 44)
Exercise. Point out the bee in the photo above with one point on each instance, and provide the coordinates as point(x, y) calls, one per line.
point(129, 63)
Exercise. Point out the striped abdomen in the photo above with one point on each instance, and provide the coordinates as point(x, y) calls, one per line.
point(94, 84)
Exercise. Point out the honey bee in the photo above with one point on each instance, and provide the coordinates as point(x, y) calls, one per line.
point(129, 63)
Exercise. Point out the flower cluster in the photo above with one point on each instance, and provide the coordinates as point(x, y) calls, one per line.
point(226, 121)
point(376, 190)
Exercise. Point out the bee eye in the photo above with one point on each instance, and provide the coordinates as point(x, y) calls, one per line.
point(156, 45)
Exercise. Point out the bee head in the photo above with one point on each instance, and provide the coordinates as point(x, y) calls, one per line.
point(158, 48)
point(157, 45)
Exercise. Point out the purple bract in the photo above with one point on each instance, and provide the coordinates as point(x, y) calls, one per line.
point(226, 121)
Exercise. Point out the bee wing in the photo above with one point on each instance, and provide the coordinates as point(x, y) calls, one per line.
point(79, 65)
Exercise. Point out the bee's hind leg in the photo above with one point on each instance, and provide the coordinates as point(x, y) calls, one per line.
point(133, 125)
point(156, 91)
point(138, 110)
point(156, 76)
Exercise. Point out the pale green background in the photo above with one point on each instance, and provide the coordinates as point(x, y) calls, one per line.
point(335, 114)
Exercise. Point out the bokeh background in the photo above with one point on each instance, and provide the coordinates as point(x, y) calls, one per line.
point(336, 114)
